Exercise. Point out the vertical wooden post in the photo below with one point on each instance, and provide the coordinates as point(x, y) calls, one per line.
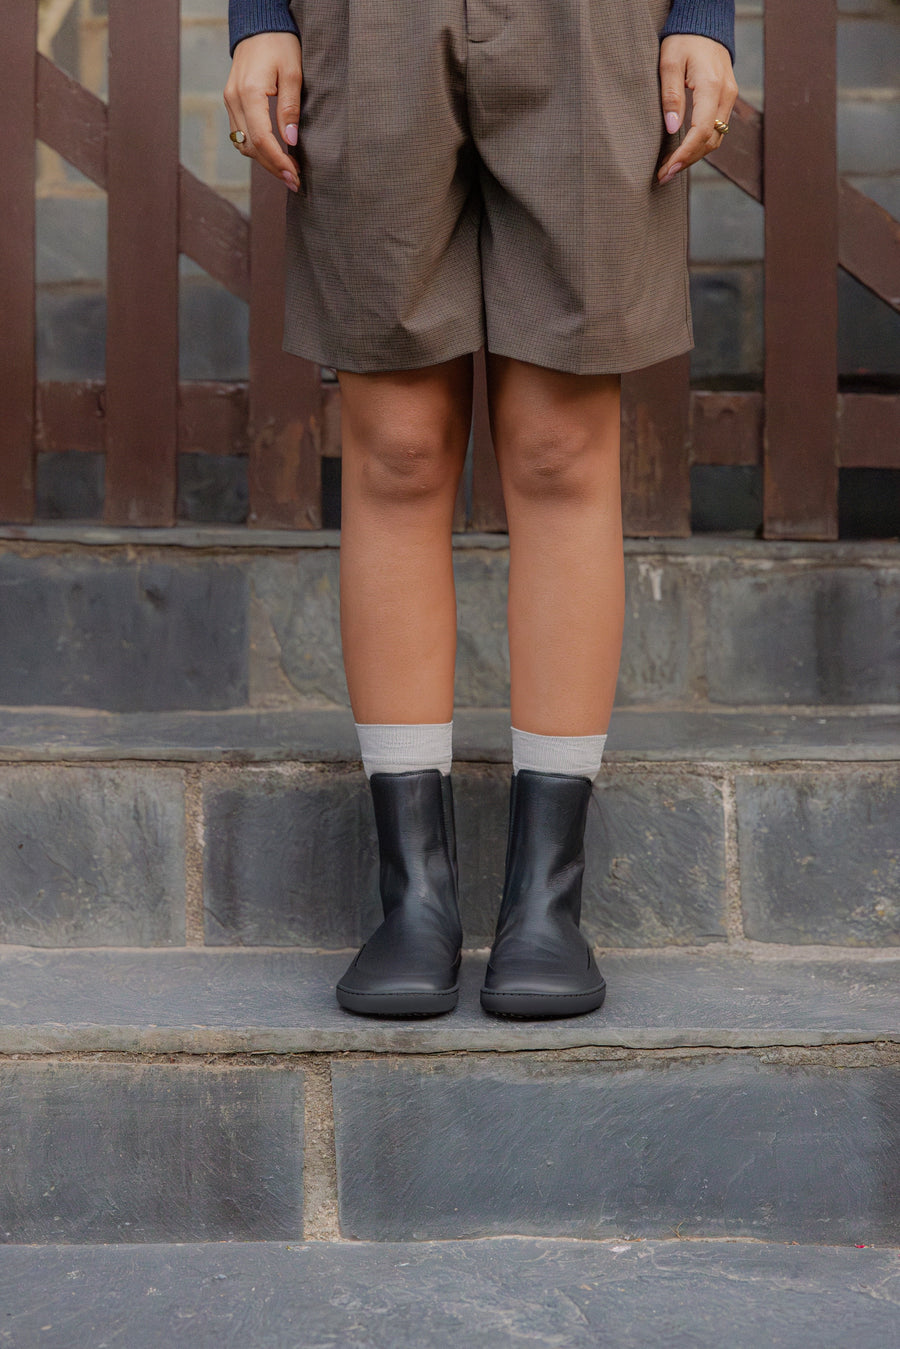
point(656, 490)
point(142, 275)
point(801, 195)
point(18, 63)
point(286, 397)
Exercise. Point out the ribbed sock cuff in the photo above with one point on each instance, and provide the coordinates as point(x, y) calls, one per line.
point(577, 755)
point(405, 748)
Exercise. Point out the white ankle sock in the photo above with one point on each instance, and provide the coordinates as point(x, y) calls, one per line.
point(405, 748)
point(577, 755)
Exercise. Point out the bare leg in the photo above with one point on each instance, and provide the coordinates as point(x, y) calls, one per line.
point(557, 443)
point(404, 440)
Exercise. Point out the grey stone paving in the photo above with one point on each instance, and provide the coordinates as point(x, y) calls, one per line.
point(278, 1001)
point(820, 856)
point(483, 1295)
point(290, 857)
point(91, 855)
point(137, 1152)
point(326, 735)
point(715, 1145)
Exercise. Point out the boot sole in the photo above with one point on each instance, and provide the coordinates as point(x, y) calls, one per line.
point(541, 1006)
point(398, 1004)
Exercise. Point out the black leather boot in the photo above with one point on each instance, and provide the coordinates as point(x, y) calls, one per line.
point(410, 964)
point(540, 964)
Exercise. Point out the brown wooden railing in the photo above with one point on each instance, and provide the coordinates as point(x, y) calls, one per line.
point(799, 429)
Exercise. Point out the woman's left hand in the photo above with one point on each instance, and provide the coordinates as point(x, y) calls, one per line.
point(703, 66)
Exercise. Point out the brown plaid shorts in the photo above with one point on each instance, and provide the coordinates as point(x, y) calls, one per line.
point(482, 173)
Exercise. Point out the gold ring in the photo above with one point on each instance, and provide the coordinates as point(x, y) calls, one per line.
point(238, 137)
point(721, 127)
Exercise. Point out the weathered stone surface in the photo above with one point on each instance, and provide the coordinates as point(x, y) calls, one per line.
point(657, 648)
point(482, 655)
point(91, 856)
point(529, 1293)
point(820, 856)
point(655, 870)
point(290, 858)
point(806, 634)
point(69, 485)
point(480, 735)
point(212, 487)
point(300, 599)
point(726, 1147)
point(128, 1153)
point(127, 636)
point(201, 1001)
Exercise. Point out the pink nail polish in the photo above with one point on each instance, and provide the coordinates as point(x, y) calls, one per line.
point(289, 179)
point(290, 134)
point(671, 122)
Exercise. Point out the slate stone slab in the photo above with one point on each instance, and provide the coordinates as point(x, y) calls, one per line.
point(657, 662)
point(820, 856)
point(233, 1001)
point(91, 856)
point(655, 872)
point(728, 1147)
point(480, 734)
point(808, 634)
point(130, 1153)
point(292, 857)
point(122, 635)
point(489, 1295)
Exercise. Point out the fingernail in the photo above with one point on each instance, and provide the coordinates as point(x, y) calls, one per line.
point(289, 179)
point(672, 173)
point(671, 122)
point(290, 134)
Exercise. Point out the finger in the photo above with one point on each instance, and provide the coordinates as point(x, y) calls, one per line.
point(264, 144)
point(702, 136)
point(671, 81)
point(287, 107)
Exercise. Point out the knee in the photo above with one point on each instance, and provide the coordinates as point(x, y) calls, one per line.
point(553, 462)
point(400, 461)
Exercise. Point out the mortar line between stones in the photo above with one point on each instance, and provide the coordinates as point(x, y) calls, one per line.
point(320, 1192)
point(734, 917)
point(193, 856)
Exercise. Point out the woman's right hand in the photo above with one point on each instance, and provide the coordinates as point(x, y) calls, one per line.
point(266, 65)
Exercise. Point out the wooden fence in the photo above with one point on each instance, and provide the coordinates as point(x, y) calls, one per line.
point(799, 428)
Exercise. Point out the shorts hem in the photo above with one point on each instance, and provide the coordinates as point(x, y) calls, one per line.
point(360, 364)
point(559, 356)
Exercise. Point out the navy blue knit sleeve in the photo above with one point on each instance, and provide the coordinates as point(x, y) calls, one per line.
point(706, 18)
point(247, 17)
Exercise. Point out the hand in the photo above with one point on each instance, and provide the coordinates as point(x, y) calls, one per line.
point(703, 66)
point(264, 65)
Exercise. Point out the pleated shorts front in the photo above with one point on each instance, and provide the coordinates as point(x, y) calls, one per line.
point(483, 173)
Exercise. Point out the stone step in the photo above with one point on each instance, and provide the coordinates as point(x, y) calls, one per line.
point(687, 843)
point(206, 1096)
point(487, 1295)
point(208, 1001)
point(208, 620)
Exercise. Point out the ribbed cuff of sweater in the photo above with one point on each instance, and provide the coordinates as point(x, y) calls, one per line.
point(705, 18)
point(246, 18)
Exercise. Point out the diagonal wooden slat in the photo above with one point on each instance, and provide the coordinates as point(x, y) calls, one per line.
point(869, 243)
point(212, 232)
point(739, 157)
